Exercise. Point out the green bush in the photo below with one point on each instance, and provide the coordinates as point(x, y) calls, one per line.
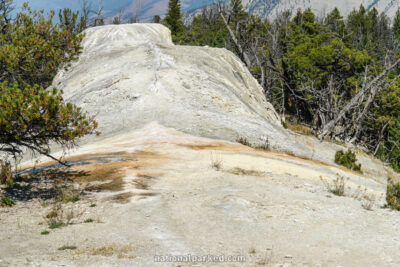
point(32, 50)
point(66, 196)
point(393, 195)
point(67, 248)
point(7, 201)
point(347, 159)
point(56, 225)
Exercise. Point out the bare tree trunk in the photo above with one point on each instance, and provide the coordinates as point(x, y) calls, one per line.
point(261, 66)
point(381, 134)
point(234, 39)
point(86, 10)
point(99, 13)
point(283, 102)
point(361, 117)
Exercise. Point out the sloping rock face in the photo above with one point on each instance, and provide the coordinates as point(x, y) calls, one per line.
point(131, 75)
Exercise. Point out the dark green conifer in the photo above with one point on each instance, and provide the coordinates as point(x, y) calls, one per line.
point(156, 19)
point(396, 25)
point(173, 19)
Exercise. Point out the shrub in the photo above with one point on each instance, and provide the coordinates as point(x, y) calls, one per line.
point(7, 201)
point(45, 232)
point(216, 162)
point(265, 145)
point(67, 248)
point(368, 202)
point(347, 159)
point(55, 225)
point(32, 50)
point(299, 128)
point(65, 195)
point(393, 195)
point(60, 217)
point(55, 217)
point(338, 186)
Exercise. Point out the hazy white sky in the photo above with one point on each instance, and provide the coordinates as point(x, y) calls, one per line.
point(73, 4)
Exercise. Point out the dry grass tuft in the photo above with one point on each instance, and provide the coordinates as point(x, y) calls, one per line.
point(243, 172)
point(368, 202)
point(216, 162)
point(337, 187)
point(299, 128)
point(59, 216)
point(122, 252)
point(265, 145)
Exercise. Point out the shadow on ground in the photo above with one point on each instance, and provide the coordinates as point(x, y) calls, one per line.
point(43, 184)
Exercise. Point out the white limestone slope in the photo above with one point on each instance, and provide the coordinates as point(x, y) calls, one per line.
point(132, 75)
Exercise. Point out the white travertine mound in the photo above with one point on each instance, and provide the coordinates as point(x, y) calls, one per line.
point(131, 75)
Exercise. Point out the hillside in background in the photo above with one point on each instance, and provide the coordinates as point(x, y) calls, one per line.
point(320, 7)
point(147, 8)
point(150, 8)
point(270, 8)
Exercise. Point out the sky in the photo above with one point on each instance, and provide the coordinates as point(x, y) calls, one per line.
point(48, 5)
point(149, 8)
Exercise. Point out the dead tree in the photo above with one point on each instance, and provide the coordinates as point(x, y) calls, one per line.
point(138, 8)
point(236, 42)
point(98, 14)
point(86, 7)
point(370, 90)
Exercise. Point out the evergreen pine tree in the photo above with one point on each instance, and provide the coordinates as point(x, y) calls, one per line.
point(334, 22)
point(156, 19)
point(173, 18)
point(238, 12)
point(396, 25)
point(32, 117)
point(116, 20)
point(69, 20)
